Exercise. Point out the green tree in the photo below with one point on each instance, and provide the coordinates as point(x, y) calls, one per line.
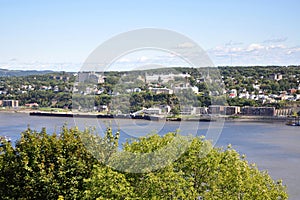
point(43, 166)
point(219, 174)
point(106, 183)
point(200, 172)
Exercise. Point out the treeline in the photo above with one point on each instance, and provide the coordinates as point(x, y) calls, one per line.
point(10, 73)
point(76, 164)
point(244, 77)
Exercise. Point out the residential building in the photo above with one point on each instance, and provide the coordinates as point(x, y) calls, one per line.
point(201, 110)
point(232, 110)
point(102, 108)
point(258, 111)
point(165, 108)
point(161, 90)
point(292, 91)
point(187, 110)
point(64, 78)
point(276, 77)
point(164, 78)
point(32, 105)
point(193, 89)
point(232, 93)
point(215, 109)
point(153, 111)
point(90, 77)
point(224, 110)
point(9, 103)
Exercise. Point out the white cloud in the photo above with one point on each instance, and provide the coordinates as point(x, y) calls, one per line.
point(255, 54)
point(255, 47)
point(186, 45)
point(13, 60)
point(143, 59)
point(292, 50)
point(276, 40)
point(279, 46)
point(123, 60)
point(233, 43)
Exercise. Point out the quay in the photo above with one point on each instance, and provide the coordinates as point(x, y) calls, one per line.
point(90, 115)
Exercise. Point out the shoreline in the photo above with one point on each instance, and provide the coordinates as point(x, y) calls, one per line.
point(261, 119)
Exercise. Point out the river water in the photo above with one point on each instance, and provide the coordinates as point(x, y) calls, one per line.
point(272, 146)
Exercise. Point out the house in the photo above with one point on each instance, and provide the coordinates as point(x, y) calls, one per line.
point(244, 95)
point(276, 77)
point(90, 77)
point(256, 86)
point(194, 89)
point(64, 78)
point(153, 111)
point(56, 89)
point(165, 108)
point(292, 91)
point(232, 93)
point(137, 90)
point(32, 105)
point(201, 110)
point(161, 90)
point(215, 109)
point(165, 78)
point(187, 110)
point(102, 108)
point(133, 90)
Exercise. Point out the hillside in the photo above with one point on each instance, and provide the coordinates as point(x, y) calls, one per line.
point(10, 73)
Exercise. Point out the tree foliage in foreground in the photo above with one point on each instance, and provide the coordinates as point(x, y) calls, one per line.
point(43, 166)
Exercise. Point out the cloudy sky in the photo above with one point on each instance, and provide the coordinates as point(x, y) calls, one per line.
point(61, 34)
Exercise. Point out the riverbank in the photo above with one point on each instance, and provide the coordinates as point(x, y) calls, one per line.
point(206, 118)
point(264, 119)
point(95, 115)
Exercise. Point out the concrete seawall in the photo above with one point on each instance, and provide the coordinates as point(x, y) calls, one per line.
point(263, 119)
point(90, 115)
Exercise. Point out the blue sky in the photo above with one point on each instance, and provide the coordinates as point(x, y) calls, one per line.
point(59, 34)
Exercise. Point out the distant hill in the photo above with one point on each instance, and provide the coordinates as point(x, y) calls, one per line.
point(9, 73)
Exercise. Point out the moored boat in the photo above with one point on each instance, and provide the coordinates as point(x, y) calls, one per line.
point(291, 123)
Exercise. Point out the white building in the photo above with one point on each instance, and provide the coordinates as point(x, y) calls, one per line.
point(90, 77)
point(276, 77)
point(164, 78)
point(153, 111)
point(232, 93)
point(244, 95)
point(194, 89)
point(161, 90)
